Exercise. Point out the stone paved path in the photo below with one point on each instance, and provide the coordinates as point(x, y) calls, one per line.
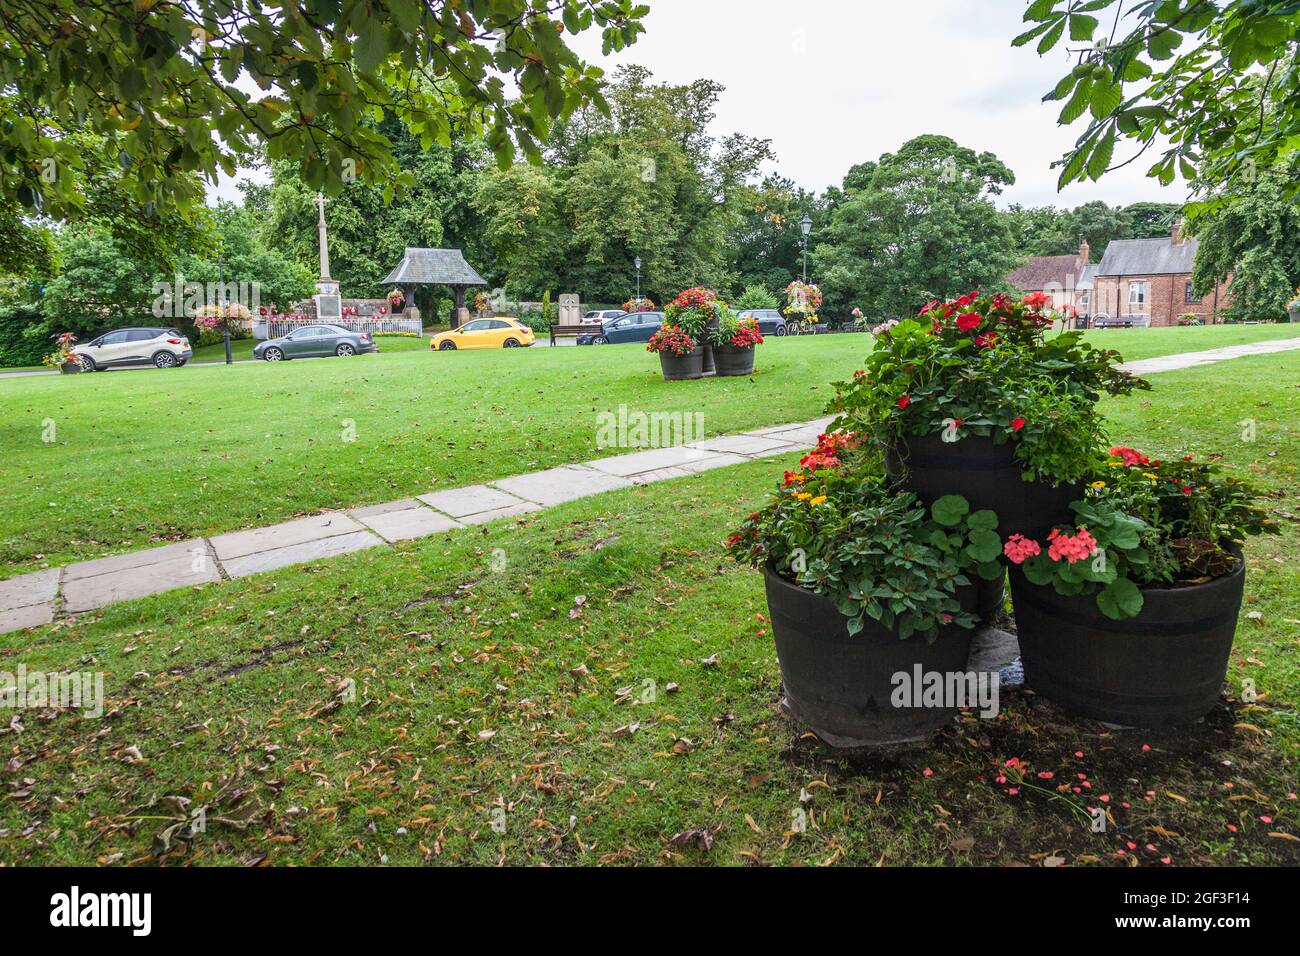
point(37, 598)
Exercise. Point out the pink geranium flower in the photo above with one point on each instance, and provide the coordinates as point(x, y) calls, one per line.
point(1019, 548)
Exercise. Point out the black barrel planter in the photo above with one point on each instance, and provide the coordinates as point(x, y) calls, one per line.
point(734, 361)
point(1164, 667)
point(987, 475)
point(841, 685)
point(678, 367)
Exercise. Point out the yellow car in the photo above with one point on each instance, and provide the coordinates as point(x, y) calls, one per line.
point(485, 334)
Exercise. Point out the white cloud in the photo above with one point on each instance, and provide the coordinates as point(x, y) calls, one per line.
point(834, 82)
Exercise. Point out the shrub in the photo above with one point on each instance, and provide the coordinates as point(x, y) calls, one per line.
point(756, 297)
point(24, 335)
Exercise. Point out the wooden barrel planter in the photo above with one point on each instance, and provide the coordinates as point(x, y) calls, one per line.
point(70, 367)
point(841, 685)
point(1166, 666)
point(987, 475)
point(679, 367)
point(733, 361)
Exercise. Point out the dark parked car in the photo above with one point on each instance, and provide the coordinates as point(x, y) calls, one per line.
point(633, 327)
point(312, 341)
point(770, 321)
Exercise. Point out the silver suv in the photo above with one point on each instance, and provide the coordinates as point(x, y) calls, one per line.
point(124, 348)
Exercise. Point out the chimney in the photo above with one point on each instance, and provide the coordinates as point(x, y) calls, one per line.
point(1085, 252)
point(1177, 233)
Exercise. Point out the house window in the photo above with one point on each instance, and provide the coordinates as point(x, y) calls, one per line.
point(1083, 301)
point(1137, 293)
point(1191, 297)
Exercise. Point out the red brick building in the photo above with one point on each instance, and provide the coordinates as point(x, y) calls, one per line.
point(1067, 279)
point(1149, 281)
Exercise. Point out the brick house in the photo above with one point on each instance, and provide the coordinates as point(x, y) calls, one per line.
point(1067, 279)
point(1150, 282)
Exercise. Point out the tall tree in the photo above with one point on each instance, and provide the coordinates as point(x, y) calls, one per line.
point(923, 226)
point(165, 84)
point(1213, 82)
point(648, 180)
point(1256, 242)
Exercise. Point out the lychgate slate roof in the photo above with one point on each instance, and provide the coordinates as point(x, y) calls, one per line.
point(434, 267)
point(1046, 272)
point(1147, 257)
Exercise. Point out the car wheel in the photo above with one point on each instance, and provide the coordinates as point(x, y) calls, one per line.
point(345, 351)
point(164, 360)
point(87, 363)
point(600, 340)
point(782, 330)
point(273, 355)
point(446, 346)
point(510, 344)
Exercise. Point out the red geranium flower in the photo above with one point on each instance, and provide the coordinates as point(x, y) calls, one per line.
point(968, 321)
point(904, 402)
point(1017, 424)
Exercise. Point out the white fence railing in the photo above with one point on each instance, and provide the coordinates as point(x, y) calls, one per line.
point(269, 328)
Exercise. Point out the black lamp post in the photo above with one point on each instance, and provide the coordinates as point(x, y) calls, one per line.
point(637, 260)
point(805, 227)
point(225, 319)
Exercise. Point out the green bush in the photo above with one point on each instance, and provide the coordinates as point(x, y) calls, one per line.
point(24, 336)
point(756, 297)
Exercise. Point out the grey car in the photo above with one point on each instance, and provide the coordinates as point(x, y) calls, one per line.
point(770, 321)
point(315, 341)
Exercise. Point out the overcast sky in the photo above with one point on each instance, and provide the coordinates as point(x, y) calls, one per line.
point(836, 82)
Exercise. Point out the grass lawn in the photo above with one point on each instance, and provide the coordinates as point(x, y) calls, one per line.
point(149, 457)
point(486, 692)
point(1135, 344)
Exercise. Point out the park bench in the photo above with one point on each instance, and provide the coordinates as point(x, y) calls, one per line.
point(572, 331)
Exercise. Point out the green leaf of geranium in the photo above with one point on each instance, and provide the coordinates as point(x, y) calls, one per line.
point(983, 521)
point(949, 510)
point(984, 545)
point(1038, 570)
point(991, 570)
point(1120, 600)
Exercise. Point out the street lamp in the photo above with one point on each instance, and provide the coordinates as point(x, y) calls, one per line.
point(637, 260)
point(805, 227)
point(225, 319)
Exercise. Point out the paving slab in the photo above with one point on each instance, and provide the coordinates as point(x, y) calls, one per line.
point(87, 593)
point(483, 517)
point(33, 615)
point(717, 460)
point(240, 543)
point(661, 474)
point(558, 485)
point(652, 459)
point(740, 444)
point(470, 500)
point(803, 437)
point(405, 504)
point(301, 553)
point(28, 590)
point(409, 524)
point(196, 549)
point(780, 450)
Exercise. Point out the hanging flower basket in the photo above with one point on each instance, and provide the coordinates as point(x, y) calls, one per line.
point(396, 300)
point(805, 301)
